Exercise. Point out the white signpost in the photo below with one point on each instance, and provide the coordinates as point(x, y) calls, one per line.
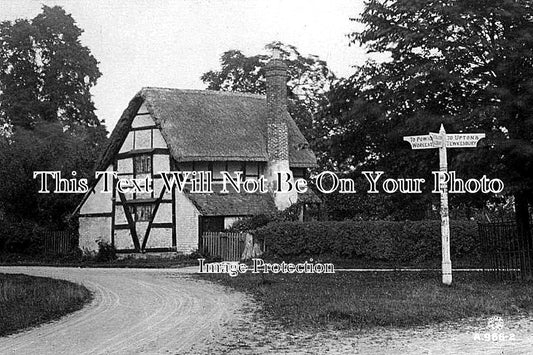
point(442, 140)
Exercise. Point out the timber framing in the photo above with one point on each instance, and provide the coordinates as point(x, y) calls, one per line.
point(144, 201)
point(131, 222)
point(96, 215)
point(135, 152)
point(152, 217)
point(177, 130)
point(143, 128)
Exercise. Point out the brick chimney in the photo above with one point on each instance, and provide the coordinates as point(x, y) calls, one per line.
point(277, 131)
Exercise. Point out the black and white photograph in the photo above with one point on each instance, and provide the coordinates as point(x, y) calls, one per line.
point(266, 177)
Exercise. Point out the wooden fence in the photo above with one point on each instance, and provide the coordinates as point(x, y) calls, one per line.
point(228, 246)
point(505, 255)
point(58, 242)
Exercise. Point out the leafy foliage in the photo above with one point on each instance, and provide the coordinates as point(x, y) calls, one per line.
point(292, 213)
point(45, 72)
point(46, 113)
point(20, 237)
point(468, 65)
point(407, 241)
point(309, 80)
point(45, 147)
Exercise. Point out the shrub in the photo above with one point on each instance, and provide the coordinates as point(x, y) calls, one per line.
point(251, 223)
point(406, 241)
point(106, 252)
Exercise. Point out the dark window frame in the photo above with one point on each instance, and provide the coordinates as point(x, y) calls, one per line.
point(142, 164)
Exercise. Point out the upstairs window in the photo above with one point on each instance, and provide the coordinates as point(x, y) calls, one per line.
point(142, 164)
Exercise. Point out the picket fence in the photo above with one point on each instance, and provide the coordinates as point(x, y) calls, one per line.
point(228, 246)
point(58, 242)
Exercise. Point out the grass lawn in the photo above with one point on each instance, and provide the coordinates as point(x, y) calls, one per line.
point(356, 300)
point(28, 300)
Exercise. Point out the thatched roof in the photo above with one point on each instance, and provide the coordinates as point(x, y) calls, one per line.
point(239, 204)
point(232, 204)
point(209, 126)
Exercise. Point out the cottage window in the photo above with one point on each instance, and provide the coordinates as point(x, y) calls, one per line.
point(141, 213)
point(142, 164)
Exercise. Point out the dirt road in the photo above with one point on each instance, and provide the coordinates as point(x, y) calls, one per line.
point(149, 311)
point(143, 311)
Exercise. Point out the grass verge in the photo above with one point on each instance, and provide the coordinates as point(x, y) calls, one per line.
point(357, 300)
point(79, 261)
point(26, 301)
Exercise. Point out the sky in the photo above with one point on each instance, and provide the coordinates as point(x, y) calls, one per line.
point(166, 43)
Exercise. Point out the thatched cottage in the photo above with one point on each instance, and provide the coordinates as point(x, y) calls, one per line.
point(191, 130)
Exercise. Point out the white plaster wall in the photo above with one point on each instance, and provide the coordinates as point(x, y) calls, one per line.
point(120, 217)
point(142, 109)
point(128, 143)
point(161, 163)
point(159, 141)
point(143, 139)
point(91, 230)
point(142, 121)
point(164, 213)
point(123, 239)
point(282, 199)
point(158, 184)
point(140, 227)
point(125, 165)
point(160, 238)
point(128, 195)
point(98, 202)
point(186, 224)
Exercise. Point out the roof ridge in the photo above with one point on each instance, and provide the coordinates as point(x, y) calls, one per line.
point(205, 92)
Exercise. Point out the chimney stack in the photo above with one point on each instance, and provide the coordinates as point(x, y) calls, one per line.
point(276, 73)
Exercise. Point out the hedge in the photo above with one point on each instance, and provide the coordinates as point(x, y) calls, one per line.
point(20, 237)
point(403, 241)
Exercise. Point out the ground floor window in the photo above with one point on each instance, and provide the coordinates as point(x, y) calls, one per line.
point(142, 213)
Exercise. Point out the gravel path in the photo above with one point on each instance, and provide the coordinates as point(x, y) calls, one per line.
point(134, 311)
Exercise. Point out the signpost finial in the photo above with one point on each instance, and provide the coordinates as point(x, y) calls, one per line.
point(442, 129)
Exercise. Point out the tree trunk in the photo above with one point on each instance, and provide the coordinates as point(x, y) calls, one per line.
point(524, 234)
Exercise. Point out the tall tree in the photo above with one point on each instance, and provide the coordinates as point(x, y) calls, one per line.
point(47, 119)
point(309, 81)
point(467, 64)
point(45, 147)
point(45, 72)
